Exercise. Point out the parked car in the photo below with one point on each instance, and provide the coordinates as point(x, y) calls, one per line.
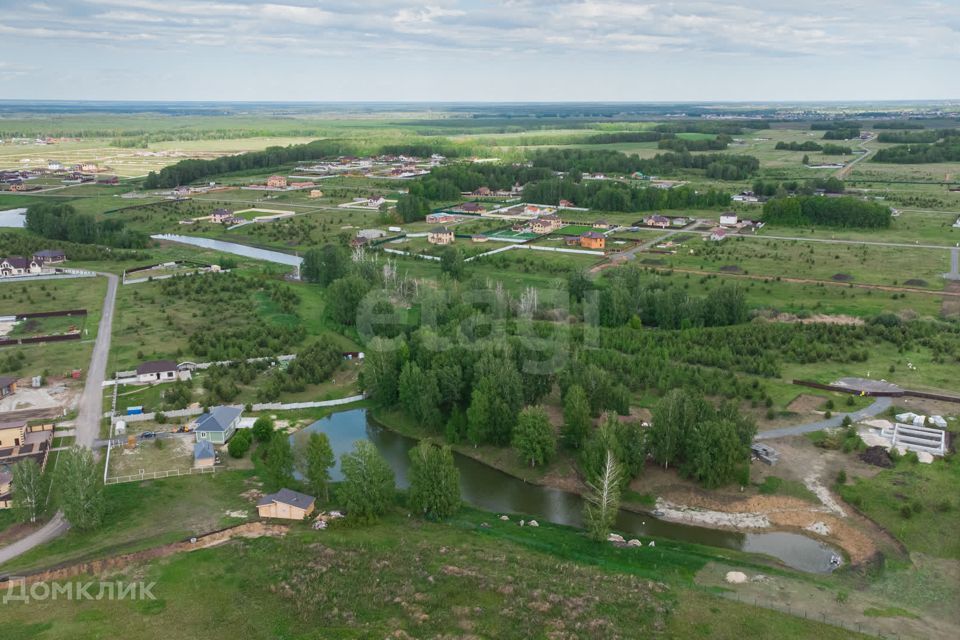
point(147, 435)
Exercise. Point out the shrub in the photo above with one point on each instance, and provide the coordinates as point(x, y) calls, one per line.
point(906, 512)
point(770, 485)
point(842, 477)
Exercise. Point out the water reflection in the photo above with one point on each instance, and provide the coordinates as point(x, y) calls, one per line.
point(492, 490)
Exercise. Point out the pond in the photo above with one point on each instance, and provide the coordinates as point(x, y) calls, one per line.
point(234, 248)
point(13, 218)
point(492, 490)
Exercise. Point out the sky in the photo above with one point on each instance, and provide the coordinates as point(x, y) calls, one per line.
point(480, 50)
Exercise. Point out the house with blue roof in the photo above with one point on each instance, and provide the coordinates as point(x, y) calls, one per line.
point(217, 425)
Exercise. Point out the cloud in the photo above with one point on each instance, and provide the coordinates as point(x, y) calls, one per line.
point(508, 34)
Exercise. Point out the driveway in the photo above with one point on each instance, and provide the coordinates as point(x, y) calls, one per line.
point(879, 406)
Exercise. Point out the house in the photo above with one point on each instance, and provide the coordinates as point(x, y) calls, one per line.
point(745, 196)
point(276, 182)
point(376, 201)
point(203, 454)
point(729, 219)
point(657, 221)
point(8, 386)
point(679, 222)
point(482, 191)
point(18, 266)
point(472, 207)
point(440, 217)
point(316, 193)
point(217, 425)
point(359, 241)
point(717, 234)
point(302, 185)
point(12, 434)
point(49, 256)
point(593, 240)
point(601, 224)
point(286, 504)
point(372, 234)
point(221, 215)
point(546, 224)
point(566, 204)
point(479, 238)
point(157, 371)
point(440, 235)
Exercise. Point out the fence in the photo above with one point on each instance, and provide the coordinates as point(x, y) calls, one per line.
point(156, 475)
point(800, 612)
point(879, 393)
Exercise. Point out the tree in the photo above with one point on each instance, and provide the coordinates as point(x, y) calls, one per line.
point(80, 489)
point(380, 373)
point(325, 264)
point(451, 263)
point(368, 485)
point(240, 443)
point(603, 499)
point(263, 429)
point(715, 453)
point(533, 437)
point(278, 461)
point(314, 459)
point(434, 481)
point(673, 420)
point(30, 490)
point(344, 298)
point(576, 417)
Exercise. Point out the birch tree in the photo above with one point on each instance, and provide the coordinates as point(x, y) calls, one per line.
point(603, 499)
point(80, 489)
point(29, 491)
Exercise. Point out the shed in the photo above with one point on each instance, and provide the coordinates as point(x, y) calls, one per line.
point(203, 454)
point(286, 504)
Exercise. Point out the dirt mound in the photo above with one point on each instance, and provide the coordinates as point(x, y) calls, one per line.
point(877, 456)
point(841, 277)
point(915, 282)
point(731, 268)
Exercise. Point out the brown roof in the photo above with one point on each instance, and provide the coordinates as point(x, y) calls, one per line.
point(156, 366)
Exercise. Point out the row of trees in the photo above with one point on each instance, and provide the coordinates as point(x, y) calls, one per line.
point(58, 221)
point(914, 137)
point(720, 166)
point(699, 144)
point(24, 244)
point(770, 188)
point(75, 487)
point(946, 150)
point(809, 145)
point(606, 195)
point(629, 297)
point(829, 212)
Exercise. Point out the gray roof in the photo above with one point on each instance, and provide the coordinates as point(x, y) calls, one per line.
point(6, 381)
point(218, 419)
point(203, 449)
point(287, 496)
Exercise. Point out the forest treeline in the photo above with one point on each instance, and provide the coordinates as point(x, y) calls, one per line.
point(843, 212)
point(63, 222)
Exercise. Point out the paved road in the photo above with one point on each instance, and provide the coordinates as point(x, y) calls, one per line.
point(57, 526)
point(87, 422)
point(879, 406)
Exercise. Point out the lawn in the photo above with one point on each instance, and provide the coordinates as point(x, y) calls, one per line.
point(406, 578)
point(54, 358)
point(917, 503)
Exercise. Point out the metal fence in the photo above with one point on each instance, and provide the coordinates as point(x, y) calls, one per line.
point(799, 612)
point(156, 475)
